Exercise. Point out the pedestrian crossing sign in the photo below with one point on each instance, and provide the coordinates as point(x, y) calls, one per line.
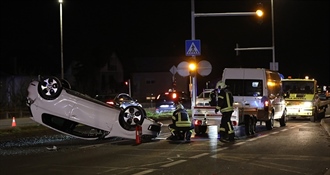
point(193, 47)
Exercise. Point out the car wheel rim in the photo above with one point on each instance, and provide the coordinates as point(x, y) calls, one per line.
point(49, 86)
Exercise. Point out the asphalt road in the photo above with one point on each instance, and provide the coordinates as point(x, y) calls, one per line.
point(302, 147)
point(26, 121)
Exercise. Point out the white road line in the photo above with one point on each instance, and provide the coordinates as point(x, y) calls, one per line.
point(284, 129)
point(173, 163)
point(160, 138)
point(144, 172)
point(262, 136)
point(91, 146)
point(220, 149)
point(199, 155)
point(275, 132)
point(239, 143)
point(253, 139)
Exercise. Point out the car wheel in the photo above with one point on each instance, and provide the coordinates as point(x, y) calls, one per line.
point(321, 115)
point(283, 119)
point(314, 116)
point(131, 116)
point(270, 122)
point(247, 124)
point(50, 88)
point(199, 130)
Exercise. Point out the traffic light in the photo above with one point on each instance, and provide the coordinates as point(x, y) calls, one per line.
point(126, 83)
point(192, 68)
point(260, 12)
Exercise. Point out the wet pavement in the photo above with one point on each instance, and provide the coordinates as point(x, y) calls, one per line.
point(26, 121)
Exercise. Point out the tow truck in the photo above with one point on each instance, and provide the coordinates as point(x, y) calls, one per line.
point(303, 99)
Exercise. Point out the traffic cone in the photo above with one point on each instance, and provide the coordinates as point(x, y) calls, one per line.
point(138, 133)
point(13, 123)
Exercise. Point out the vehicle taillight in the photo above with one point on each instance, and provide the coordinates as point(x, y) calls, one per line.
point(110, 102)
point(266, 105)
point(174, 95)
point(197, 122)
point(234, 123)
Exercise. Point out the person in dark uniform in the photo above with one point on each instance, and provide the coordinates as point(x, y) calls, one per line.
point(180, 123)
point(214, 97)
point(225, 106)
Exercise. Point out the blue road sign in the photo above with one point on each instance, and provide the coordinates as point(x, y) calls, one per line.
point(193, 47)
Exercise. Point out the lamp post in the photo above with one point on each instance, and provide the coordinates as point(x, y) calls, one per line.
point(273, 36)
point(273, 66)
point(195, 15)
point(61, 29)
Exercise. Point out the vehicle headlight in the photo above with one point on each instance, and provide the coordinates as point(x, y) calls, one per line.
point(308, 104)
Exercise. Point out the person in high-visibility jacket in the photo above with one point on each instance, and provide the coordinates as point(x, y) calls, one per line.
point(225, 106)
point(181, 124)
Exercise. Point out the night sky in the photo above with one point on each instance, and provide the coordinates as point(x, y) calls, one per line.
point(30, 34)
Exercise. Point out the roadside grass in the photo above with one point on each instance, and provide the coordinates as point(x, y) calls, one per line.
point(160, 116)
point(21, 130)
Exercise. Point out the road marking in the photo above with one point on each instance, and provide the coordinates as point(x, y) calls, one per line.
point(173, 163)
point(253, 139)
point(239, 143)
point(145, 172)
point(262, 136)
point(220, 149)
point(275, 132)
point(161, 138)
point(199, 155)
point(91, 146)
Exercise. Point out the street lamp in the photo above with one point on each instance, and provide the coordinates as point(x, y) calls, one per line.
point(259, 13)
point(273, 66)
point(192, 71)
point(61, 29)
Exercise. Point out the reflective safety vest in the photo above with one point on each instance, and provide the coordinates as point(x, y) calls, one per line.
point(181, 119)
point(225, 101)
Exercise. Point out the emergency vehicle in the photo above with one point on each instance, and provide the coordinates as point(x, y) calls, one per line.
point(303, 99)
point(257, 97)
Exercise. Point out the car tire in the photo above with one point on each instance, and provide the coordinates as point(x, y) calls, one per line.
point(131, 116)
point(49, 88)
point(247, 124)
point(270, 122)
point(321, 115)
point(314, 116)
point(283, 119)
point(199, 130)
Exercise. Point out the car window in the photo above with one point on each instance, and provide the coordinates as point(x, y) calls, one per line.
point(245, 87)
point(166, 96)
point(124, 97)
point(204, 95)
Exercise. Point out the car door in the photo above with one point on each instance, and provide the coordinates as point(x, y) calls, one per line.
point(279, 106)
point(94, 114)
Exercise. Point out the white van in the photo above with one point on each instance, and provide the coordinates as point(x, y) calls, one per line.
point(258, 95)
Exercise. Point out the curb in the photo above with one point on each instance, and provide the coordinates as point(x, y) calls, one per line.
point(325, 122)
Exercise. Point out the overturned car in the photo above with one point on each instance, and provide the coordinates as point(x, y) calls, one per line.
point(55, 105)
